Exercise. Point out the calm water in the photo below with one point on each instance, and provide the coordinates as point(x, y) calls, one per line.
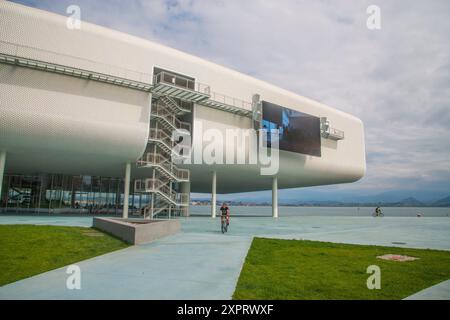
point(327, 211)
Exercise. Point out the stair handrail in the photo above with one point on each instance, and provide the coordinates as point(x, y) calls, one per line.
point(159, 134)
point(156, 185)
point(158, 159)
point(160, 110)
point(177, 104)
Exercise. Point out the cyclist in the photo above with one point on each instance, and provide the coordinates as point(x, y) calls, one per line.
point(378, 212)
point(225, 213)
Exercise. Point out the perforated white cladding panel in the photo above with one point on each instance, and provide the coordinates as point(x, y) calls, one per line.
point(39, 35)
point(68, 122)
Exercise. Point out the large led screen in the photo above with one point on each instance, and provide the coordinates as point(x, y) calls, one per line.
point(299, 132)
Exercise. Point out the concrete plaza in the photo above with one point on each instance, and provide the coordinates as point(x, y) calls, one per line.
point(201, 263)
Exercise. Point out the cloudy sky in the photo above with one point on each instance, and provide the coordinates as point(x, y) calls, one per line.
point(397, 79)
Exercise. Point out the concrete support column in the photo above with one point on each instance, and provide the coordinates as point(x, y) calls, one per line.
point(152, 205)
point(213, 194)
point(126, 190)
point(275, 197)
point(2, 169)
point(185, 187)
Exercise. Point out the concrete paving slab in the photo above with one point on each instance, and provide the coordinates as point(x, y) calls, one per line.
point(440, 291)
point(201, 263)
point(73, 221)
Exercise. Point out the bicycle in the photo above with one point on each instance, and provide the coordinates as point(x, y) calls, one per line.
point(377, 214)
point(224, 224)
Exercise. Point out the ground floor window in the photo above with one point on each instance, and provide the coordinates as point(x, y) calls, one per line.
point(56, 193)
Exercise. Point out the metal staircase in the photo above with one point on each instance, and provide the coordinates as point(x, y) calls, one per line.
point(169, 120)
point(176, 107)
point(173, 97)
point(164, 166)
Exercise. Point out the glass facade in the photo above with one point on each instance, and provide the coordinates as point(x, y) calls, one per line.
point(56, 193)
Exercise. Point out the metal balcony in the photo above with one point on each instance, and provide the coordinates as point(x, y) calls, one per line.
point(329, 132)
point(168, 84)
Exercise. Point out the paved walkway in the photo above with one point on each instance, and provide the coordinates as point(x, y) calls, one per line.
point(73, 221)
point(201, 263)
point(440, 291)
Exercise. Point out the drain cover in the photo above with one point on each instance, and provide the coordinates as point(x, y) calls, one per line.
point(397, 257)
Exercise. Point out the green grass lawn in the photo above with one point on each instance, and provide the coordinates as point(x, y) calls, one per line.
point(294, 269)
point(27, 250)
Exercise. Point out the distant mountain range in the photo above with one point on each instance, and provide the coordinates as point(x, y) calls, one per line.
point(444, 202)
point(407, 202)
point(325, 196)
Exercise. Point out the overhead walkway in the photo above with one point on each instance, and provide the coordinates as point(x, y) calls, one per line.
point(164, 84)
point(228, 104)
point(18, 60)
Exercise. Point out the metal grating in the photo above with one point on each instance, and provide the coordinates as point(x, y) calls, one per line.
point(226, 107)
point(164, 89)
point(74, 72)
point(176, 86)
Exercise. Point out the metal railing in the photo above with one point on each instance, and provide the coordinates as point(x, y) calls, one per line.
point(155, 185)
point(52, 61)
point(165, 77)
point(161, 111)
point(151, 159)
point(177, 106)
point(161, 136)
point(231, 101)
point(166, 142)
point(162, 210)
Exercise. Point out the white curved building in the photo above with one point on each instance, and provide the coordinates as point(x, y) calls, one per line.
point(97, 103)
